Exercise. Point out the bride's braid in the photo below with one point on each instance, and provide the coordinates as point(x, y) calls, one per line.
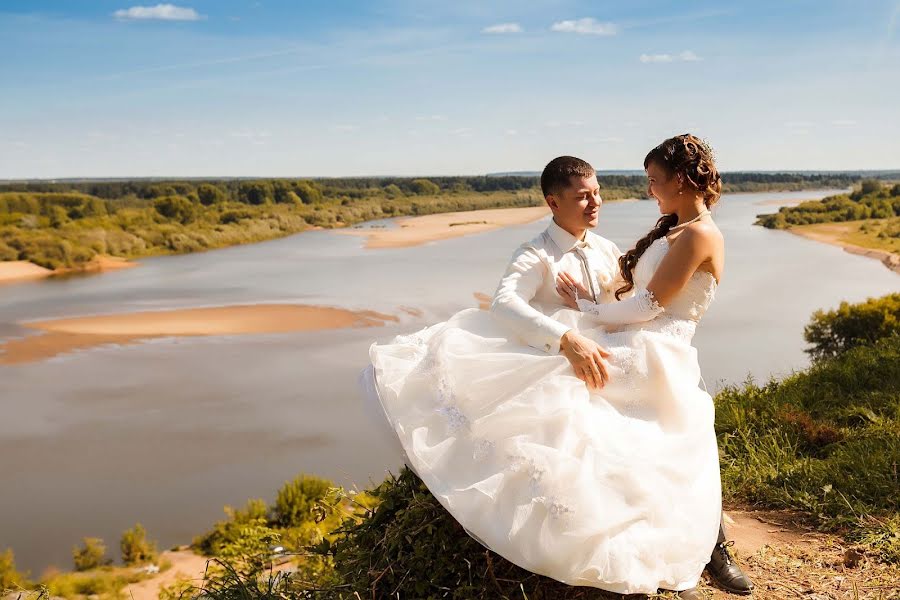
point(691, 157)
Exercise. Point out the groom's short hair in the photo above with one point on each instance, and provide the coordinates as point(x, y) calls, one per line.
point(559, 171)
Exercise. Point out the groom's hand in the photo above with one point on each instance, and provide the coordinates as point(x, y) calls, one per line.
point(586, 357)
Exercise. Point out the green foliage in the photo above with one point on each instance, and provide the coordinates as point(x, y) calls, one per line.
point(10, 578)
point(90, 555)
point(58, 216)
point(825, 442)
point(871, 201)
point(135, 547)
point(105, 583)
point(175, 208)
point(209, 194)
point(256, 192)
point(296, 499)
point(834, 332)
point(424, 187)
point(393, 191)
point(228, 531)
point(869, 186)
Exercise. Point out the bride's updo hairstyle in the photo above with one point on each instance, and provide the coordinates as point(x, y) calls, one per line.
point(685, 155)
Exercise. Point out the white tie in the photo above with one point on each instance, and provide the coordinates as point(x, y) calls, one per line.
point(579, 251)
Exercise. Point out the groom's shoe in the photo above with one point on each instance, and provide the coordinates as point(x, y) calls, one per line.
point(724, 571)
point(691, 594)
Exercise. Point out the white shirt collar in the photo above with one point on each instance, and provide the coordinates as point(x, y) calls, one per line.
point(565, 240)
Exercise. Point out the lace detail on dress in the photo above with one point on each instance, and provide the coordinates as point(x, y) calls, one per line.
point(647, 301)
point(431, 366)
point(558, 506)
point(692, 301)
point(643, 306)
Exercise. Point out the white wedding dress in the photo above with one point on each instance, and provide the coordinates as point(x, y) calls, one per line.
point(616, 488)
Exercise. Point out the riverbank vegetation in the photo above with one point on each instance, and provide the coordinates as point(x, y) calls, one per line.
point(61, 225)
point(94, 574)
point(869, 217)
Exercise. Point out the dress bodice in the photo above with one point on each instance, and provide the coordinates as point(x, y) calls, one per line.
point(692, 301)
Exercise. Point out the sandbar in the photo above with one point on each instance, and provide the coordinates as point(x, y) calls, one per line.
point(413, 231)
point(831, 233)
point(12, 271)
point(65, 335)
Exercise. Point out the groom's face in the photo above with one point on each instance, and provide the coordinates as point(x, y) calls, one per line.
point(577, 206)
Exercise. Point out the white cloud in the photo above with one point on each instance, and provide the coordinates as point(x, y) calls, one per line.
point(686, 56)
point(345, 128)
point(586, 26)
point(512, 132)
point(843, 122)
point(463, 132)
point(656, 58)
point(160, 12)
point(431, 118)
point(503, 28)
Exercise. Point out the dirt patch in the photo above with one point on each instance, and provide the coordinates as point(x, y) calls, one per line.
point(785, 560)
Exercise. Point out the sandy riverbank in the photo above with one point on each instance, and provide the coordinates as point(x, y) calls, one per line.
point(22, 270)
point(66, 335)
point(832, 233)
point(413, 231)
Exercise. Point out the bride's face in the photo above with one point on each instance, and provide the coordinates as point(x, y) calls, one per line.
point(578, 205)
point(663, 187)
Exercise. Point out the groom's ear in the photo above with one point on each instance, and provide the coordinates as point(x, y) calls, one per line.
point(552, 202)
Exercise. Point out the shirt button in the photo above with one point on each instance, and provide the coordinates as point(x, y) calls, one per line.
point(546, 346)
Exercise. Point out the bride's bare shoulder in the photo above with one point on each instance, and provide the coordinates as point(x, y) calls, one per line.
point(704, 234)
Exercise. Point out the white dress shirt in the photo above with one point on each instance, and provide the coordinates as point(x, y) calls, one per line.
point(527, 297)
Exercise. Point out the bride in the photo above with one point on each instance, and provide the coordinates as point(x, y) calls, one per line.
point(614, 484)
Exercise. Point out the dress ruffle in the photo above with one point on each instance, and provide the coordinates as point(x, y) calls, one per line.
point(617, 488)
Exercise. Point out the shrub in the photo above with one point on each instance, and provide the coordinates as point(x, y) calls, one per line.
point(228, 531)
point(10, 578)
point(851, 325)
point(175, 208)
point(296, 499)
point(135, 547)
point(209, 194)
point(90, 554)
point(424, 187)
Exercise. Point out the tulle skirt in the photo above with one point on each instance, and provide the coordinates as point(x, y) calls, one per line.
point(616, 488)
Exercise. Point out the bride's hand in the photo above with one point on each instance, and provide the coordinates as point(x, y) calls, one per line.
point(566, 287)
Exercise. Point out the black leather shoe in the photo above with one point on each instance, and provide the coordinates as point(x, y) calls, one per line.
point(725, 572)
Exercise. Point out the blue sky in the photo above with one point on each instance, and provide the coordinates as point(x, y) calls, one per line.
point(402, 87)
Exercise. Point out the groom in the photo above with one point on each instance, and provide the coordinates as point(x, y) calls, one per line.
point(527, 296)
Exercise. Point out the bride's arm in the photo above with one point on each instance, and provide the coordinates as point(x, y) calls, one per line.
point(694, 246)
